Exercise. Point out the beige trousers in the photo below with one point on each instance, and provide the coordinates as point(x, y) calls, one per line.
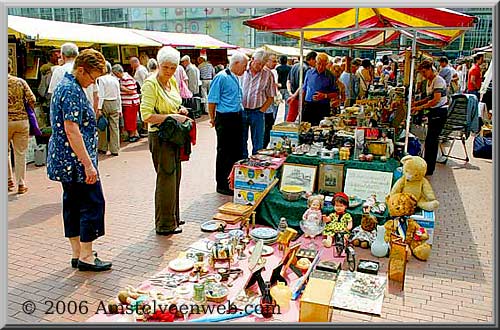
point(19, 131)
point(110, 111)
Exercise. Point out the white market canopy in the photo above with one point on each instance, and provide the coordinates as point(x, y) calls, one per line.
point(175, 39)
point(55, 33)
point(284, 50)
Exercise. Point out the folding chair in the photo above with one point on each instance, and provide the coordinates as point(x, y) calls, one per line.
point(456, 126)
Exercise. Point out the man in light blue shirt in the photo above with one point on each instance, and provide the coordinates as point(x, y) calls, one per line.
point(224, 108)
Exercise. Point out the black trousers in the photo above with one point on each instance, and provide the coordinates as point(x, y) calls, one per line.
point(314, 112)
point(229, 148)
point(268, 126)
point(436, 120)
point(83, 210)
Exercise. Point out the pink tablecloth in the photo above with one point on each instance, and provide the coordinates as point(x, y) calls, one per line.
point(292, 315)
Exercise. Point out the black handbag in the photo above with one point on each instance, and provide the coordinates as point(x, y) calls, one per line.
point(482, 147)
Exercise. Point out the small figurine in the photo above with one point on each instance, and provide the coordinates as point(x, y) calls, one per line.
point(339, 221)
point(313, 216)
point(369, 203)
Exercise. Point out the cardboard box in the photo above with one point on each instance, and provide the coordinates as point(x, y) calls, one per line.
point(277, 138)
point(252, 178)
point(427, 220)
point(315, 301)
point(246, 197)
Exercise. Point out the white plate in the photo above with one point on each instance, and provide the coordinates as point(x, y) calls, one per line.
point(266, 250)
point(264, 233)
point(181, 265)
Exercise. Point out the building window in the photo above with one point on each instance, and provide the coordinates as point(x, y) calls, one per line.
point(60, 14)
point(76, 15)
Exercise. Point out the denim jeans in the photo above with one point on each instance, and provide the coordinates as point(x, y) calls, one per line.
point(285, 95)
point(254, 119)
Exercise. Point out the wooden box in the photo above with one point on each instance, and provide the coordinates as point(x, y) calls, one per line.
point(315, 301)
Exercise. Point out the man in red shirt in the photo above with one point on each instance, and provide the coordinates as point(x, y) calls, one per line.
point(474, 78)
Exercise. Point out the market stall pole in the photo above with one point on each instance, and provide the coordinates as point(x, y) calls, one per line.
point(410, 92)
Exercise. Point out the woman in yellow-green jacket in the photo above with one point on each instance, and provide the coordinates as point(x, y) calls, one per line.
point(160, 100)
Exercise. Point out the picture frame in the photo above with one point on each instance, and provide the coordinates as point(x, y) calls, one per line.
point(300, 175)
point(32, 71)
point(128, 51)
point(13, 57)
point(111, 53)
point(331, 177)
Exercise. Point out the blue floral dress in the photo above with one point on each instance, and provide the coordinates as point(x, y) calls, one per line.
point(69, 102)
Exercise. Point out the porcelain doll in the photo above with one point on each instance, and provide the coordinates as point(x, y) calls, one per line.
point(338, 221)
point(312, 216)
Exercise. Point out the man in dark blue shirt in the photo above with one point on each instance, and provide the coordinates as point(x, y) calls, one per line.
point(319, 88)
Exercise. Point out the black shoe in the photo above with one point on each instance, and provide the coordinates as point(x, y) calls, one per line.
point(169, 232)
point(102, 152)
point(99, 266)
point(74, 261)
point(114, 154)
point(227, 192)
point(182, 222)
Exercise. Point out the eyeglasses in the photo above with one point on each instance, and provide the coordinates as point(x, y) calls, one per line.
point(91, 77)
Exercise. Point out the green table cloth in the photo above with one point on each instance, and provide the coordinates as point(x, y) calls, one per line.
point(274, 206)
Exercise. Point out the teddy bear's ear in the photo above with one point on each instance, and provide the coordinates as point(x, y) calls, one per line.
point(406, 158)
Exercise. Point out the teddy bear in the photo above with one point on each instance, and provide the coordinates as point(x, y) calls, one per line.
point(401, 206)
point(414, 182)
point(366, 233)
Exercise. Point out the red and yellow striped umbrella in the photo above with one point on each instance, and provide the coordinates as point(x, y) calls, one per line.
point(337, 26)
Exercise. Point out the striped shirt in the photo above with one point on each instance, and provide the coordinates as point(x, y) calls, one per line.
point(207, 71)
point(257, 88)
point(129, 83)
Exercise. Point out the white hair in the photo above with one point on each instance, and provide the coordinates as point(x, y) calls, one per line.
point(237, 57)
point(69, 49)
point(260, 55)
point(152, 64)
point(168, 54)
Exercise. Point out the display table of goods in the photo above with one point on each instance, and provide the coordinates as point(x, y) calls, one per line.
point(211, 274)
point(275, 206)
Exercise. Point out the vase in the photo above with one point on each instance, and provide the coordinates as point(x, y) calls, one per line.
point(380, 247)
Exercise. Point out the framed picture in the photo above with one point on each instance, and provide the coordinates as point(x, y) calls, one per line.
point(111, 53)
point(300, 175)
point(13, 57)
point(32, 70)
point(331, 177)
point(128, 52)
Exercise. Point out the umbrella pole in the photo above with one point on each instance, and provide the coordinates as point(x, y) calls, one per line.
point(410, 93)
point(301, 74)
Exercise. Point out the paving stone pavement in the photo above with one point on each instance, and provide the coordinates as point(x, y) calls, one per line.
point(454, 286)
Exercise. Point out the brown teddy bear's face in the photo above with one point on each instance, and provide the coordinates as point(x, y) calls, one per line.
point(414, 168)
point(368, 222)
point(401, 204)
